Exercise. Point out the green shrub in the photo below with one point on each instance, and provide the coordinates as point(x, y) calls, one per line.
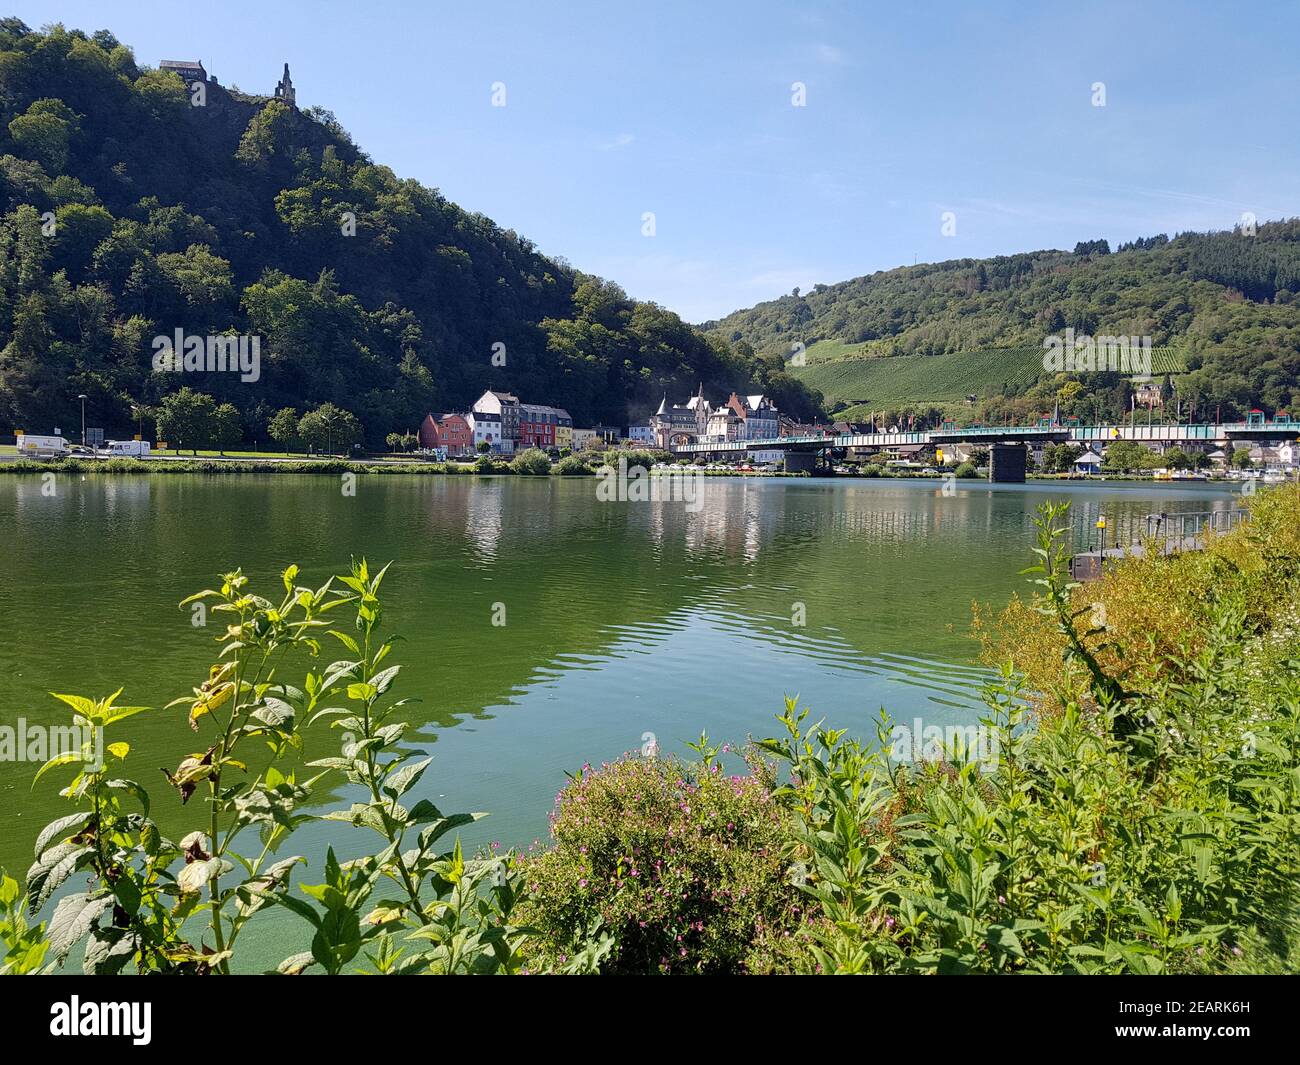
point(680, 865)
point(532, 463)
point(158, 905)
point(633, 457)
point(1140, 831)
point(966, 471)
point(571, 466)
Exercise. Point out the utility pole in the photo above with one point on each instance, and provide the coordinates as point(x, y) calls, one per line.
point(83, 419)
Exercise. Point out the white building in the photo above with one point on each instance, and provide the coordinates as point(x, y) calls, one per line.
point(724, 424)
point(507, 409)
point(759, 415)
point(487, 430)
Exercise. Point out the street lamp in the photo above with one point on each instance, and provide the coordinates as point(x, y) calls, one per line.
point(82, 397)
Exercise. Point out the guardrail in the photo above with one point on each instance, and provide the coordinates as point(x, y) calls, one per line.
point(1129, 530)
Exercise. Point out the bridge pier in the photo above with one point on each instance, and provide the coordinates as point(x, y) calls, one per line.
point(801, 462)
point(1007, 463)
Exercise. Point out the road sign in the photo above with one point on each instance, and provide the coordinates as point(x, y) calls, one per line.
point(95, 437)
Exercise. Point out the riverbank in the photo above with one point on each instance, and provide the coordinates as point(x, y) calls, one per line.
point(335, 467)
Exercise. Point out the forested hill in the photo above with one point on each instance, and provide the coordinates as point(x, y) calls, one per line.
point(129, 213)
point(1226, 303)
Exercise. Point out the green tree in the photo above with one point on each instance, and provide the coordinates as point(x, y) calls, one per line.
point(1060, 458)
point(1241, 458)
point(203, 279)
point(329, 428)
point(283, 428)
point(227, 427)
point(1125, 456)
point(187, 418)
point(79, 229)
point(45, 132)
point(266, 139)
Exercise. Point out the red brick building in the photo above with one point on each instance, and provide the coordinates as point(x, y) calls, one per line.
point(537, 425)
point(451, 431)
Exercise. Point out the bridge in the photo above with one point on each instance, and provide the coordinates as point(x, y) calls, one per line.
point(1006, 440)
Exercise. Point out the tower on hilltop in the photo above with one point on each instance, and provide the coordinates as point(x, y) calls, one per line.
point(284, 90)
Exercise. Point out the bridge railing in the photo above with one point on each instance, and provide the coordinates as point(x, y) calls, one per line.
point(1102, 434)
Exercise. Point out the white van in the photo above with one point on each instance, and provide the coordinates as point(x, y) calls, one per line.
point(136, 449)
point(41, 447)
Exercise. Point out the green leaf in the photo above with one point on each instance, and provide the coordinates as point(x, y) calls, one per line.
point(383, 680)
point(60, 759)
point(51, 870)
point(73, 918)
point(400, 782)
point(347, 641)
point(115, 714)
point(81, 706)
point(56, 829)
point(131, 787)
point(108, 951)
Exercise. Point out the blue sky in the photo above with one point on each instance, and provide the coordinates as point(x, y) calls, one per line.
point(618, 108)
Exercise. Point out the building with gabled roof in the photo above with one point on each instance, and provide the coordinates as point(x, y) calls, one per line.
point(190, 70)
